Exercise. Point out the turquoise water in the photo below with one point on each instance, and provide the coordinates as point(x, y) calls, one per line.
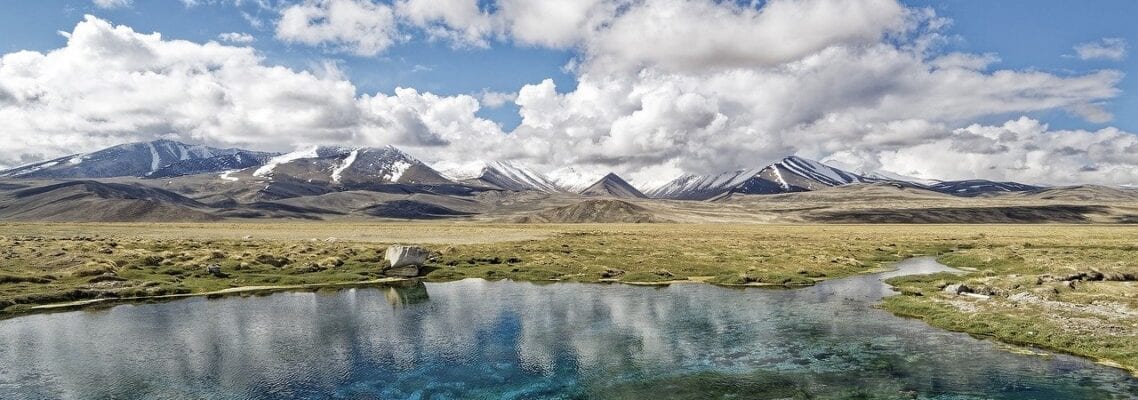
point(507, 340)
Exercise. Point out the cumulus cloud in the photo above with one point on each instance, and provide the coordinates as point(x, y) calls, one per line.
point(459, 21)
point(360, 27)
point(1113, 49)
point(1023, 150)
point(112, 3)
point(719, 86)
point(111, 85)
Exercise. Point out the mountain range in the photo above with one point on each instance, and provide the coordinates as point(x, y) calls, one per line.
point(348, 167)
point(167, 180)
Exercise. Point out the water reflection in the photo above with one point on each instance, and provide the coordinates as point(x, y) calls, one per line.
point(401, 295)
point(479, 339)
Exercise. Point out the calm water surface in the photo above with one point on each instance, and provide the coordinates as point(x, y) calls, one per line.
point(476, 339)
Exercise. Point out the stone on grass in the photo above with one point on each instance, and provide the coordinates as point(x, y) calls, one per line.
point(957, 288)
point(405, 261)
point(215, 270)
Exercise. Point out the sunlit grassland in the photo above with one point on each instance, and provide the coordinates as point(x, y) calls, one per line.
point(53, 263)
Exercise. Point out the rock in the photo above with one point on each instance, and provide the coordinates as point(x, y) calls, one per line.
point(1094, 276)
point(957, 288)
point(247, 237)
point(985, 290)
point(401, 256)
point(406, 271)
point(215, 270)
point(612, 273)
point(405, 261)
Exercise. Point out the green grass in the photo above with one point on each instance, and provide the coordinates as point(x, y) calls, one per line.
point(53, 263)
point(1095, 318)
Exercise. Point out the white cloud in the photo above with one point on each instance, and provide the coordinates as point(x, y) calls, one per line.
point(112, 3)
point(1023, 150)
point(360, 27)
point(1113, 49)
point(111, 85)
point(717, 87)
point(459, 21)
point(696, 35)
point(493, 99)
point(237, 37)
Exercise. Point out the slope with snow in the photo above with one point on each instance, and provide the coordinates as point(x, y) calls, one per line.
point(574, 179)
point(217, 164)
point(349, 166)
point(127, 160)
point(506, 175)
point(791, 174)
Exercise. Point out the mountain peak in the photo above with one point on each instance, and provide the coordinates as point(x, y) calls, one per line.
point(612, 185)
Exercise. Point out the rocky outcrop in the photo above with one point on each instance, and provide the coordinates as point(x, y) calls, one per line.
point(405, 261)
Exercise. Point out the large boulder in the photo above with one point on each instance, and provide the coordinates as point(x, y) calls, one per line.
point(405, 261)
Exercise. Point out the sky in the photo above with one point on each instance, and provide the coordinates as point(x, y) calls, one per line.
point(1032, 91)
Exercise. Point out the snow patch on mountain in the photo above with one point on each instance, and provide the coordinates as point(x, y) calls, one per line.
point(155, 159)
point(268, 168)
point(461, 170)
point(226, 176)
point(397, 170)
point(339, 171)
point(575, 179)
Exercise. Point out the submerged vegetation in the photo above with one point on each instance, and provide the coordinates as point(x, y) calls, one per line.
point(1063, 287)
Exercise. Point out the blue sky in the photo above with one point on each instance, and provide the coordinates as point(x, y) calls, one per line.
point(631, 96)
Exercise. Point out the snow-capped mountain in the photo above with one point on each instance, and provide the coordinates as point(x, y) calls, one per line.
point(612, 185)
point(575, 179)
point(347, 166)
point(977, 187)
point(881, 175)
point(506, 175)
point(217, 164)
point(792, 174)
point(127, 160)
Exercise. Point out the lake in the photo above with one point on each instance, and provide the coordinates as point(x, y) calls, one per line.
point(478, 339)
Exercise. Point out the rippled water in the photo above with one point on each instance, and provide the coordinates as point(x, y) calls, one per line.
point(479, 339)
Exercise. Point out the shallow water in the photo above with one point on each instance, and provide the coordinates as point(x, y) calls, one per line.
point(479, 339)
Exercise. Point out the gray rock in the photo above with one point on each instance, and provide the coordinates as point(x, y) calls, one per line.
point(401, 256)
point(957, 288)
point(215, 270)
point(405, 261)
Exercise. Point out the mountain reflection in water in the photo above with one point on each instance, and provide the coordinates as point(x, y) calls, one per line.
point(481, 339)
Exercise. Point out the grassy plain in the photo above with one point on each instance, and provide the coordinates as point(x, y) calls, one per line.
point(1024, 278)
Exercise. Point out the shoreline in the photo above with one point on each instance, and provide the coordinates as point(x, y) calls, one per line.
point(1133, 371)
point(1012, 345)
point(235, 291)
